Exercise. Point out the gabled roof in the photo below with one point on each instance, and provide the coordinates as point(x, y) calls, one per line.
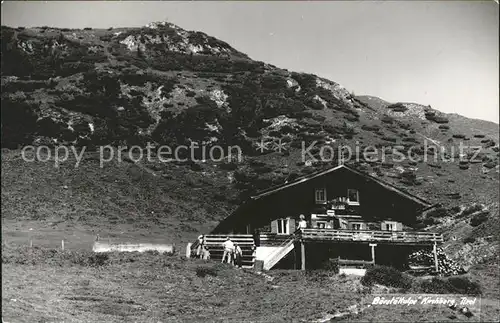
point(306, 178)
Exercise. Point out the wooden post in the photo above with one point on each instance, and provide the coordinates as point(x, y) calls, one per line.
point(302, 255)
point(373, 245)
point(62, 244)
point(188, 250)
point(296, 266)
point(434, 249)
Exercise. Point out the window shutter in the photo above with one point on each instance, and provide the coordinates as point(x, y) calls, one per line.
point(383, 226)
point(292, 225)
point(274, 226)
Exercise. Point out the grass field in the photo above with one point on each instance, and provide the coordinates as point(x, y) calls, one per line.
point(45, 285)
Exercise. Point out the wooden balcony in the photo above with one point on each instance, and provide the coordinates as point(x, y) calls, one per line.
point(370, 236)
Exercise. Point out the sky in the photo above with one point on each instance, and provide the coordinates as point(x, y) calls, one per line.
point(442, 53)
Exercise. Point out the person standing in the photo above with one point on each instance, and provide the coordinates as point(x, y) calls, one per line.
point(256, 238)
point(228, 246)
point(205, 253)
point(238, 254)
point(302, 222)
point(201, 245)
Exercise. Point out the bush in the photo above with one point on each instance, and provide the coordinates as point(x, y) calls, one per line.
point(430, 221)
point(469, 240)
point(472, 209)
point(397, 107)
point(208, 270)
point(98, 260)
point(479, 218)
point(229, 166)
point(196, 167)
point(331, 265)
point(387, 276)
point(465, 286)
point(452, 285)
point(439, 212)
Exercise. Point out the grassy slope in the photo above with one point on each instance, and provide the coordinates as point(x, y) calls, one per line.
point(150, 287)
point(121, 201)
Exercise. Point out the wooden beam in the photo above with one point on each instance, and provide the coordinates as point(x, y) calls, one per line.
point(303, 255)
point(434, 249)
point(295, 264)
point(373, 245)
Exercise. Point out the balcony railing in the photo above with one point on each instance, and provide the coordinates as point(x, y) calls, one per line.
point(401, 237)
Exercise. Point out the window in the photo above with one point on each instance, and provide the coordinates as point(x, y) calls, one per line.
point(283, 226)
point(320, 196)
point(356, 226)
point(390, 226)
point(352, 197)
point(321, 225)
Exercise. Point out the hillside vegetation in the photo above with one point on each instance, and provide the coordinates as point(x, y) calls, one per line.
point(163, 85)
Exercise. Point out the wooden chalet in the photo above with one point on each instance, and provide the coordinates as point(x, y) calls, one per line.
point(352, 217)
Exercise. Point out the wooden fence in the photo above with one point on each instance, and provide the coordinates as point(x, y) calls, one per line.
point(395, 237)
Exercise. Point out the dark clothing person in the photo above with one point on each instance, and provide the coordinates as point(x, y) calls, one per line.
point(238, 255)
point(256, 238)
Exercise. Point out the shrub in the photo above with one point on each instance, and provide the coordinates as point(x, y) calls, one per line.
point(439, 212)
point(370, 127)
point(331, 265)
point(452, 285)
point(430, 221)
point(87, 28)
point(397, 107)
point(262, 169)
point(390, 139)
point(465, 286)
point(387, 276)
point(440, 120)
point(387, 119)
point(208, 270)
point(469, 240)
point(479, 218)
point(229, 166)
point(196, 167)
point(472, 209)
point(98, 260)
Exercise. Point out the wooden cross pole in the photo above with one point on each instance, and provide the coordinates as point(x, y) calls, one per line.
point(434, 250)
point(302, 255)
point(373, 245)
